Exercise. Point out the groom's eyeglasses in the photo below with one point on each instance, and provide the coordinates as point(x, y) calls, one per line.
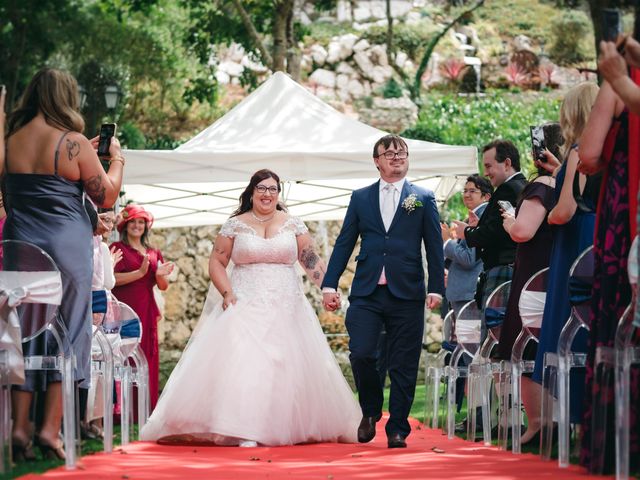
point(389, 155)
point(273, 190)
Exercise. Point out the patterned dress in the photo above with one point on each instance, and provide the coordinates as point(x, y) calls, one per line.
point(611, 295)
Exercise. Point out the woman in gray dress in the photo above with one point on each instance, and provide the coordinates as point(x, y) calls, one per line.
point(48, 167)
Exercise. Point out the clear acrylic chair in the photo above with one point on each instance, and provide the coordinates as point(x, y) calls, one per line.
point(627, 354)
point(435, 372)
point(482, 368)
point(604, 371)
point(467, 331)
point(531, 306)
point(557, 365)
point(102, 369)
point(5, 412)
point(124, 331)
point(31, 284)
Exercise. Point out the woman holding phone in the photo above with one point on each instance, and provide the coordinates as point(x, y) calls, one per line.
point(527, 227)
point(49, 167)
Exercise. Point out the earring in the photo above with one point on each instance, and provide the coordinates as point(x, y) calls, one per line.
point(250, 200)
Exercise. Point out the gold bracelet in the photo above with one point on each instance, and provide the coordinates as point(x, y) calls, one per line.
point(117, 159)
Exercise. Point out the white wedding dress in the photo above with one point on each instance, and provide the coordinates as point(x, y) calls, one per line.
point(260, 370)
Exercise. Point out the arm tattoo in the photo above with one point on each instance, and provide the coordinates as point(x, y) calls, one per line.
point(94, 188)
point(73, 149)
point(308, 258)
point(316, 275)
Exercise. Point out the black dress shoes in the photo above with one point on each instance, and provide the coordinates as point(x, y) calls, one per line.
point(367, 428)
point(396, 441)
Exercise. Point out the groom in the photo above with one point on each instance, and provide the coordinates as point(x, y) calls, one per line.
point(393, 218)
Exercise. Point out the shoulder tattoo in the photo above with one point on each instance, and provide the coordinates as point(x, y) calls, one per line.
point(73, 149)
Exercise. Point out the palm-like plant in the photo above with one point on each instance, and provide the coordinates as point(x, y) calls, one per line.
point(516, 75)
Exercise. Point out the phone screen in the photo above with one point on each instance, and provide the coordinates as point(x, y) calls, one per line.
point(537, 143)
point(611, 24)
point(107, 130)
point(506, 206)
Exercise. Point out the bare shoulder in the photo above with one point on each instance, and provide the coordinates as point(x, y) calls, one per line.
point(74, 145)
point(546, 180)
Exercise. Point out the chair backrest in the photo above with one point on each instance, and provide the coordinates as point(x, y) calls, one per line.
point(121, 319)
point(468, 324)
point(532, 299)
point(580, 283)
point(448, 325)
point(448, 328)
point(496, 305)
point(28, 268)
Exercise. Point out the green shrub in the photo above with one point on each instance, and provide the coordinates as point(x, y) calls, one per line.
point(130, 136)
point(392, 89)
point(410, 39)
point(476, 121)
point(571, 38)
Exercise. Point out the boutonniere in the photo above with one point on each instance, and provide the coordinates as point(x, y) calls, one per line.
point(411, 203)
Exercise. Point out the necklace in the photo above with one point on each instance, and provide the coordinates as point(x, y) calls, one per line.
point(260, 219)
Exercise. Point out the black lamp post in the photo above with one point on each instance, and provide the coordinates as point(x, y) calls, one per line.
point(111, 96)
point(89, 96)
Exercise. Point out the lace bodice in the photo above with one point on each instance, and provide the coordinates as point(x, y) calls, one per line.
point(264, 268)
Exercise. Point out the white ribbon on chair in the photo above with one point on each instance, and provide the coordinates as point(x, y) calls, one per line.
point(17, 288)
point(531, 307)
point(468, 331)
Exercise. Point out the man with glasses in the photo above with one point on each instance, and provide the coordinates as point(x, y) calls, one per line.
point(392, 218)
point(464, 265)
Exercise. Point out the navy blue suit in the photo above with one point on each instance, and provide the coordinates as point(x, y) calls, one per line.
point(397, 306)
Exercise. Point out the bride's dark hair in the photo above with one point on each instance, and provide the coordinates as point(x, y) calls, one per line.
point(245, 197)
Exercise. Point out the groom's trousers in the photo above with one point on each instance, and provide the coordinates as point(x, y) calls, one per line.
point(403, 321)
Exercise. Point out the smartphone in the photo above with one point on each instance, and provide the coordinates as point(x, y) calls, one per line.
point(107, 131)
point(611, 24)
point(506, 206)
point(538, 145)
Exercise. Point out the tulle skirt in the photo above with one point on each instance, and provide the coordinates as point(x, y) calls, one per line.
point(259, 371)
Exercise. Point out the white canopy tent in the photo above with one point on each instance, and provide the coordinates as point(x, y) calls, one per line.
point(320, 154)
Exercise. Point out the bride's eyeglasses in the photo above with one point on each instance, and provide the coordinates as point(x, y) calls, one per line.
point(273, 190)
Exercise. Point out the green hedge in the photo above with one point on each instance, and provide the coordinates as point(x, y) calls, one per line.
point(473, 120)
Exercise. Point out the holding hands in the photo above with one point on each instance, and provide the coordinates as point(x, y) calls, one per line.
point(331, 301)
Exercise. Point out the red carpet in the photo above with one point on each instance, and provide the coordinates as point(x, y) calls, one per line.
point(429, 456)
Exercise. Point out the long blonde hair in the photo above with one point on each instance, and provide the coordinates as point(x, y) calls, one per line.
point(575, 111)
point(55, 94)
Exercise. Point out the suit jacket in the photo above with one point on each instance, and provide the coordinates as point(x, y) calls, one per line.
point(398, 250)
point(490, 238)
point(464, 269)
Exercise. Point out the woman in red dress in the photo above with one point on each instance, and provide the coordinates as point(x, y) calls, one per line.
point(141, 268)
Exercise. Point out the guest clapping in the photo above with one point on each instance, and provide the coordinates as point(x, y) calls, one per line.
point(141, 268)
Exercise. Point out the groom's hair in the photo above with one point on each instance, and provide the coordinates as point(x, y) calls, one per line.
point(387, 140)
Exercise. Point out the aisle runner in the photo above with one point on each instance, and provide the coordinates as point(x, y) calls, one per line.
point(429, 456)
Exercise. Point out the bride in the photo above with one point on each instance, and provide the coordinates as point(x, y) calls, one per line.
point(257, 369)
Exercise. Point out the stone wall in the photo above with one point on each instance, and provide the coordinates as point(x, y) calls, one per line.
point(190, 247)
